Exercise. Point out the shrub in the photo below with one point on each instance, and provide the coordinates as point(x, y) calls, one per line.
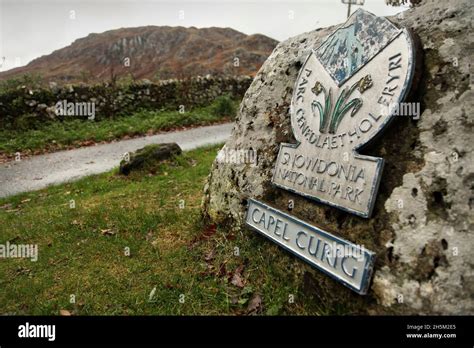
point(223, 106)
point(31, 81)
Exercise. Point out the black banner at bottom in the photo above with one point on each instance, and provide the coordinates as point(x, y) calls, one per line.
point(416, 330)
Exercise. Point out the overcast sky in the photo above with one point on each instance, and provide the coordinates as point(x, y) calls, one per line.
point(32, 28)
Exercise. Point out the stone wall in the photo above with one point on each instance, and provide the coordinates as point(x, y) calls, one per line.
point(117, 100)
point(424, 262)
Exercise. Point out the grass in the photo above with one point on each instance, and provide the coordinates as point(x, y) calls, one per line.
point(56, 135)
point(173, 255)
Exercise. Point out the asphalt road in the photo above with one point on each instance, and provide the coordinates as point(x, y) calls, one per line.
point(40, 171)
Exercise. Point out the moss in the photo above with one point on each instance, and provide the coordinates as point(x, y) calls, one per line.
point(149, 157)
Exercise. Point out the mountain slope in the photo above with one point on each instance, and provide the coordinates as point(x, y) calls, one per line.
point(154, 53)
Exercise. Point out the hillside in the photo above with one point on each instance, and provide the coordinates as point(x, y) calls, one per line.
point(153, 53)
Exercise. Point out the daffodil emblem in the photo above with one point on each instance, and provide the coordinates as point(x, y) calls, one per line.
point(329, 117)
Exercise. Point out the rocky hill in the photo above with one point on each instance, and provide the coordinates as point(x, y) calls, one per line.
point(152, 52)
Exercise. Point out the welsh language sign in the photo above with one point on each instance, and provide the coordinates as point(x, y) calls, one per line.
point(347, 91)
point(346, 262)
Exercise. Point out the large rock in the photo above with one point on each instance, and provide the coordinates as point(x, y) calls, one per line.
point(422, 224)
point(149, 156)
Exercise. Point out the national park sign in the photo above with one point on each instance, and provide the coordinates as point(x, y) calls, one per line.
point(345, 95)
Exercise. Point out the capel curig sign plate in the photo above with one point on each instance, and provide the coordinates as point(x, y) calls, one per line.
point(344, 261)
point(344, 95)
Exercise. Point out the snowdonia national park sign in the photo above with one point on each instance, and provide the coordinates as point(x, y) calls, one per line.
point(344, 96)
point(346, 93)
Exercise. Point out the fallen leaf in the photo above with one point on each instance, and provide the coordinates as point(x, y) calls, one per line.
point(26, 200)
point(107, 232)
point(64, 312)
point(237, 277)
point(237, 280)
point(206, 234)
point(255, 304)
point(209, 231)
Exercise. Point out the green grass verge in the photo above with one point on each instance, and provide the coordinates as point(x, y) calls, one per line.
point(56, 135)
point(82, 251)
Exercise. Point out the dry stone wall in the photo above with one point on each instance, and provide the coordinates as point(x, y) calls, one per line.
point(117, 100)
